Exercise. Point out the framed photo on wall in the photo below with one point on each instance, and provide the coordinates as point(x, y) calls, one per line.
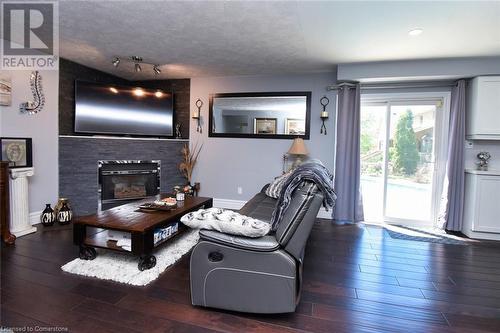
point(295, 126)
point(265, 125)
point(17, 151)
point(5, 90)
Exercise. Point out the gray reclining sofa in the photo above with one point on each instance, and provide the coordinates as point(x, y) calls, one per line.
point(257, 275)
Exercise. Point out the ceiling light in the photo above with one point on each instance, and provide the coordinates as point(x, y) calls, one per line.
point(415, 32)
point(159, 93)
point(138, 68)
point(138, 92)
point(113, 90)
point(115, 61)
point(156, 69)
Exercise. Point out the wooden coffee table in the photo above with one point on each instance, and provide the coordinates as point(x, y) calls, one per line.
point(90, 232)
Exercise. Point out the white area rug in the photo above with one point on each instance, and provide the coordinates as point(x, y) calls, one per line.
point(122, 267)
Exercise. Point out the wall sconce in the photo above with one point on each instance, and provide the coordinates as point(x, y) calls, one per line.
point(197, 115)
point(324, 101)
point(35, 106)
point(295, 155)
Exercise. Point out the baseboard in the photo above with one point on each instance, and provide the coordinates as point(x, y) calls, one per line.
point(237, 204)
point(35, 217)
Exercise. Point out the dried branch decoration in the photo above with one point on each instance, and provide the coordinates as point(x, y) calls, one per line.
point(189, 158)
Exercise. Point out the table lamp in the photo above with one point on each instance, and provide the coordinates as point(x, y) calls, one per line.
point(297, 153)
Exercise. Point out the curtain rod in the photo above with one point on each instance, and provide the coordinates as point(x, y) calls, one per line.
point(395, 85)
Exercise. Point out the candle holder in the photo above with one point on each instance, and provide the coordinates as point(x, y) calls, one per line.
point(197, 115)
point(324, 101)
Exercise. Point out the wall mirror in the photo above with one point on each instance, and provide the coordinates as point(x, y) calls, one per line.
point(278, 115)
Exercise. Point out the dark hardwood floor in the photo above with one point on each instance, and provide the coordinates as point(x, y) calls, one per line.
point(356, 279)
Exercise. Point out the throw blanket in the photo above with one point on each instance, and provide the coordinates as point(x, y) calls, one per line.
point(226, 221)
point(313, 171)
point(274, 188)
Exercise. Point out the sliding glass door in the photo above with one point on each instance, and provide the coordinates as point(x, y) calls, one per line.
point(402, 145)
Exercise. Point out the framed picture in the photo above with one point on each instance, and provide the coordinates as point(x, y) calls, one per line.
point(5, 90)
point(265, 125)
point(17, 151)
point(295, 126)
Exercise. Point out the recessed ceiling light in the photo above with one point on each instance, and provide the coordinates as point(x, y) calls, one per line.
point(415, 32)
point(159, 93)
point(114, 90)
point(138, 92)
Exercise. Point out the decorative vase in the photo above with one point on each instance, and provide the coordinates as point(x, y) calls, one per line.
point(65, 214)
point(188, 189)
point(59, 205)
point(48, 216)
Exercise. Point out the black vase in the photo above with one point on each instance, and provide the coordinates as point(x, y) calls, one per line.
point(65, 214)
point(48, 216)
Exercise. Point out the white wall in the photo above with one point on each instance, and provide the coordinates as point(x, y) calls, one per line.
point(42, 128)
point(226, 163)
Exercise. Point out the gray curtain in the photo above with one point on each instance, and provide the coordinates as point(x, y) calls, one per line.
point(349, 206)
point(452, 199)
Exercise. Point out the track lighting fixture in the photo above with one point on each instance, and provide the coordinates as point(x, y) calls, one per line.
point(137, 63)
point(156, 69)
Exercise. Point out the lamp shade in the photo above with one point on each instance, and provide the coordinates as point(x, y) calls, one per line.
point(298, 147)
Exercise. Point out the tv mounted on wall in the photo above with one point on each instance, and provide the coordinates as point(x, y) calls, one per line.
point(121, 110)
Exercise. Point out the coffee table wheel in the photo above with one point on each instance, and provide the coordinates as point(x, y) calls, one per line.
point(87, 253)
point(146, 262)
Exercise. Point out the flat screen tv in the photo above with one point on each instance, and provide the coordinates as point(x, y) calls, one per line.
point(121, 110)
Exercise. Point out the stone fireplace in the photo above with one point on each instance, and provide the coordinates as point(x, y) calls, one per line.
point(124, 181)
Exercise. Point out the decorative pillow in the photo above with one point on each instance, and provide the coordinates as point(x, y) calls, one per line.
point(274, 189)
point(226, 221)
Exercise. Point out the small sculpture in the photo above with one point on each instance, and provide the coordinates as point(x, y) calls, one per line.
point(483, 157)
point(178, 131)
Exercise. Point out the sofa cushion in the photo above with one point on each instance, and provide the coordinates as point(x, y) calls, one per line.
point(274, 189)
point(225, 220)
point(262, 244)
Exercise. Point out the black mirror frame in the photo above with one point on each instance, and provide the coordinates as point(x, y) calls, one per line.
point(306, 136)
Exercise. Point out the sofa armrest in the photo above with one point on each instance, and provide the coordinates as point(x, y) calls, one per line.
point(262, 244)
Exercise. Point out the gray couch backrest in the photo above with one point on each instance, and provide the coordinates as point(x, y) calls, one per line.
point(298, 219)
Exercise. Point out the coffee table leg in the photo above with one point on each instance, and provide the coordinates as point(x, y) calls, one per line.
point(147, 262)
point(142, 245)
point(87, 252)
point(79, 234)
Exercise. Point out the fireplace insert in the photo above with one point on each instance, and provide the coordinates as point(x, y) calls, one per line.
point(124, 181)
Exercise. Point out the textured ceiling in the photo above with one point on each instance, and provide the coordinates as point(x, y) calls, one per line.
point(220, 38)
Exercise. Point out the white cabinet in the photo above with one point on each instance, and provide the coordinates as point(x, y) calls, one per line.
point(483, 108)
point(482, 204)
